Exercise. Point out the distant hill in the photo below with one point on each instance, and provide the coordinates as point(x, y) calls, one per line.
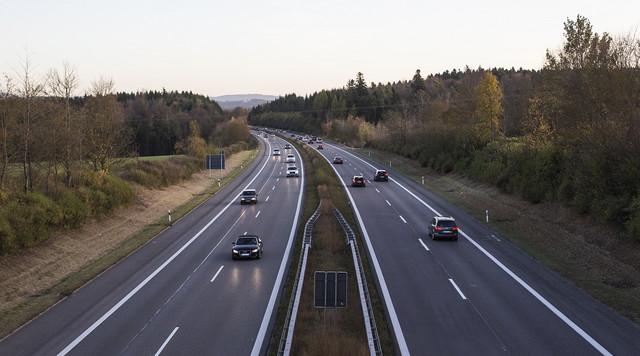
point(248, 101)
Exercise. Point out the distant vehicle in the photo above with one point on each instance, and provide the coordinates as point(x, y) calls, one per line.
point(338, 160)
point(292, 135)
point(249, 196)
point(247, 246)
point(443, 227)
point(357, 181)
point(319, 139)
point(320, 147)
point(381, 175)
point(287, 146)
point(292, 171)
point(291, 158)
point(276, 152)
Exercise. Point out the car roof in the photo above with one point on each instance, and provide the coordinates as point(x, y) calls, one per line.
point(358, 176)
point(249, 190)
point(450, 218)
point(380, 170)
point(294, 167)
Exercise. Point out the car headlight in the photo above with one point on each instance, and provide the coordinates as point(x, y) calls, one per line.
point(254, 250)
point(235, 251)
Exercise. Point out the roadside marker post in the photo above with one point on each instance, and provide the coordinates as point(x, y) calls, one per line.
point(422, 180)
point(486, 215)
point(169, 211)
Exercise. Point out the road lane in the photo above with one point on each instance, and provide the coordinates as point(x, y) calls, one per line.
point(519, 323)
point(142, 322)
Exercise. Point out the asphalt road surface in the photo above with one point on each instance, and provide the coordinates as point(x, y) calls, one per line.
point(182, 293)
point(479, 295)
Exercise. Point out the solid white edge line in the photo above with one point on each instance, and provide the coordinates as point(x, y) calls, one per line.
point(403, 220)
point(164, 344)
point(257, 346)
point(217, 273)
point(135, 290)
point(423, 244)
point(457, 289)
point(519, 280)
point(296, 303)
point(395, 323)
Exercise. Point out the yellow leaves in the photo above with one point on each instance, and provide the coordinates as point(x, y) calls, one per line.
point(488, 100)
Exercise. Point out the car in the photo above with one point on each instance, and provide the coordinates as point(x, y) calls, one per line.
point(249, 196)
point(247, 246)
point(291, 158)
point(319, 139)
point(338, 160)
point(357, 181)
point(381, 176)
point(320, 147)
point(276, 152)
point(292, 171)
point(443, 227)
point(287, 146)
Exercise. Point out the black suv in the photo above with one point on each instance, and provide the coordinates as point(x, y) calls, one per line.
point(443, 227)
point(337, 160)
point(381, 175)
point(249, 196)
point(247, 246)
point(357, 181)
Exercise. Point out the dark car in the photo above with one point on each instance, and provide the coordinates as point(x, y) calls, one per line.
point(338, 160)
point(287, 146)
point(381, 176)
point(249, 196)
point(247, 246)
point(320, 147)
point(443, 227)
point(357, 181)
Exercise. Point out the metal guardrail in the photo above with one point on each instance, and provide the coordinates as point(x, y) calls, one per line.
point(365, 299)
point(286, 338)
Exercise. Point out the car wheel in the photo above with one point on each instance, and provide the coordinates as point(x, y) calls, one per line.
point(259, 255)
point(455, 238)
point(233, 257)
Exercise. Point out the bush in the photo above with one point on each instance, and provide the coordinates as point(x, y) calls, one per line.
point(31, 218)
point(74, 210)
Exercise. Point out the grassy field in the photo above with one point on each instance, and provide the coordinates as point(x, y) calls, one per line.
point(318, 173)
point(36, 304)
point(591, 255)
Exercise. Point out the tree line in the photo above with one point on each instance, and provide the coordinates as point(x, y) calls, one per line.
point(569, 132)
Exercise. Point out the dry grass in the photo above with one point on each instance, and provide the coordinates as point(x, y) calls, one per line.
point(337, 331)
point(592, 255)
point(32, 280)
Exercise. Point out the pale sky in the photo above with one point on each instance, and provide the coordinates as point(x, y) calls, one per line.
point(278, 47)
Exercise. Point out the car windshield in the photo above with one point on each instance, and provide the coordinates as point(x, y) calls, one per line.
point(292, 168)
point(247, 241)
point(248, 192)
point(446, 223)
point(381, 173)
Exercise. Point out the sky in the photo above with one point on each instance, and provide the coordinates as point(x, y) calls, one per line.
point(278, 47)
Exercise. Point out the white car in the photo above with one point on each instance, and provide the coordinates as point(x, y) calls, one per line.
point(292, 171)
point(276, 152)
point(291, 158)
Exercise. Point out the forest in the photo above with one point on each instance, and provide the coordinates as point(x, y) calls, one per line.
point(568, 132)
point(65, 158)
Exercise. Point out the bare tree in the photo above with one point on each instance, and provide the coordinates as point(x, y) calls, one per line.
point(63, 85)
point(28, 89)
point(106, 134)
point(6, 121)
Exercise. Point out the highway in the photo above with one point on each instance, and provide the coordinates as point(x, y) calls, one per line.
point(181, 293)
point(480, 295)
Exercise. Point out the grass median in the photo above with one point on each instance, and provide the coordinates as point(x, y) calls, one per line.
point(317, 331)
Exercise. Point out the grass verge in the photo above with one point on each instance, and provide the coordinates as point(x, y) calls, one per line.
point(22, 313)
point(319, 173)
point(590, 254)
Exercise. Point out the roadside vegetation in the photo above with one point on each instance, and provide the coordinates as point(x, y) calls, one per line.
point(320, 336)
point(66, 158)
point(568, 133)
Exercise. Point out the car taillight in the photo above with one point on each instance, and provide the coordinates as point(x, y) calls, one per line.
point(455, 228)
point(437, 228)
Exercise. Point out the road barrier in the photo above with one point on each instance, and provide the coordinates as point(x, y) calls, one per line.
point(286, 339)
point(365, 300)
